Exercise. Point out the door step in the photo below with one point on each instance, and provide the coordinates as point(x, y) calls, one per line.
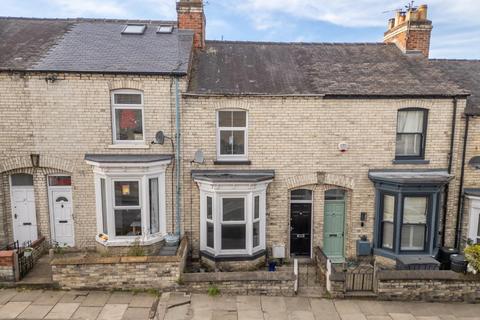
point(360, 294)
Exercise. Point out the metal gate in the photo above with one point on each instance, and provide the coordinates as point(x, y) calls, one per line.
point(25, 257)
point(360, 278)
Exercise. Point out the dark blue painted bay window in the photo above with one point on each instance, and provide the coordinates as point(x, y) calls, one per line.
point(407, 211)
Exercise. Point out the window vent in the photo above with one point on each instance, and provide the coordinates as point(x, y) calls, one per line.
point(165, 29)
point(134, 29)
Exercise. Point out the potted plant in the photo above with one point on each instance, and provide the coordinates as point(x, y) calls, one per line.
point(28, 252)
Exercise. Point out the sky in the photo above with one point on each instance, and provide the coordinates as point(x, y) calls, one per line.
point(456, 32)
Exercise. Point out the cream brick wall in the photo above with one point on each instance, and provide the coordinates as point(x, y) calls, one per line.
point(64, 120)
point(298, 138)
point(472, 175)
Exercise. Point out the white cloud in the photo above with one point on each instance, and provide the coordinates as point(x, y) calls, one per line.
point(85, 8)
point(355, 13)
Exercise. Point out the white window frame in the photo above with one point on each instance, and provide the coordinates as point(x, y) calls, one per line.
point(128, 107)
point(474, 219)
point(219, 191)
point(232, 157)
point(112, 172)
point(141, 205)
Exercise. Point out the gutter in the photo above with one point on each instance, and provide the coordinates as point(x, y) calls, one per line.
point(458, 227)
point(178, 190)
point(450, 162)
point(326, 95)
point(141, 73)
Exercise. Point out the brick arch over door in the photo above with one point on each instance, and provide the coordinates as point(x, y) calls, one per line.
point(57, 163)
point(320, 178)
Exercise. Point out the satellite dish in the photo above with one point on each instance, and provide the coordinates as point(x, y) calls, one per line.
point(199, 158)
point(159, 137)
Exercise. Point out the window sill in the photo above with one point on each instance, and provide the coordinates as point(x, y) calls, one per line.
point(410, 161)
point(232, 163)
point(129, 242)
point(129, 146)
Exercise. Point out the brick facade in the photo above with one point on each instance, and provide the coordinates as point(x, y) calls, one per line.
point(298, 138)
point(64, 120)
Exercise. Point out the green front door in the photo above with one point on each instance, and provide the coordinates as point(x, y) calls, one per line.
point(333, 230)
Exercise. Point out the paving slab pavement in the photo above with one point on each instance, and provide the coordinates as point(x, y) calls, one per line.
point(62, 311)
point(142, 300)
point(49, 298)
point(35, 311)
point(87, 313)
point(136, 314)
point(13, 308)
point(113, 312)
point(6, 295)
point(96, 299)
point(95, 305)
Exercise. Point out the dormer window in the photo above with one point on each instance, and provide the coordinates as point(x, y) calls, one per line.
point(134, 29)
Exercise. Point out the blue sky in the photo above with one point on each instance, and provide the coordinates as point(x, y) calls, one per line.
point(456, 32)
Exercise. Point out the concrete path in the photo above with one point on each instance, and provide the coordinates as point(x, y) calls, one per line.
point(96, 305)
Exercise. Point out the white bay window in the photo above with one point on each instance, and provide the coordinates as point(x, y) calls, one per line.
point(130, 199)
point(232, 216)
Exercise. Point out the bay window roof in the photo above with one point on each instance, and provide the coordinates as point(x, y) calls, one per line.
point(128, 158)
point(411, 177)
point(231, 176)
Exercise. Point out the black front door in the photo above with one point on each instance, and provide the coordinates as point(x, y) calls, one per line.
point(300, 228)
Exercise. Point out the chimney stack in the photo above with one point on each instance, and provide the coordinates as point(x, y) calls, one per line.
point(410, 30)
point(191, 16)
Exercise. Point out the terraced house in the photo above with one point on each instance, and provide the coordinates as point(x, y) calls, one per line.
point(265, 149)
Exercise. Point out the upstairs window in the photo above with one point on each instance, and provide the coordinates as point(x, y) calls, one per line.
point(232, 135)
point(411, 134)
point(127, 114)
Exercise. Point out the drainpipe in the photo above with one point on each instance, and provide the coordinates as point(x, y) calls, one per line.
point(177, 158)
point(458, 227)
point(450, 161)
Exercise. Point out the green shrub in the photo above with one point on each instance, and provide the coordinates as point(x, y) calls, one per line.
point(472, 255)
point(136, 250)
point(213, 291)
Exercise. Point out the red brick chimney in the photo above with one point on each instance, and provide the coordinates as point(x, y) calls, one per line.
point(410, 30)
point(192, 17)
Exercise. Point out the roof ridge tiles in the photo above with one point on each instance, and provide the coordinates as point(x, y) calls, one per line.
point(454, 60)
point(300, 43)
point(80, 19)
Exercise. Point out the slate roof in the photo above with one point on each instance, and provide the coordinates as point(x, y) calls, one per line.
point(230, 176)
point(411, 177)
point(128, 158)
point(256, 68)
point(89, 45)
point(467, 74)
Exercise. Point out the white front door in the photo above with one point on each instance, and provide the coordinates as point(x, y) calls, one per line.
point(23, 215)
point(61, 210)
point(474, 223)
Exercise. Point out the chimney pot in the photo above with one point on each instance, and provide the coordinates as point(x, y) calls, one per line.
point(391, 23)
point(412, 36)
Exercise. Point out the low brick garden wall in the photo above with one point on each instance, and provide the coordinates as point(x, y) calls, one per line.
point(278, 283)
point(7, 266)
point(427, 285)
point(157, 272)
